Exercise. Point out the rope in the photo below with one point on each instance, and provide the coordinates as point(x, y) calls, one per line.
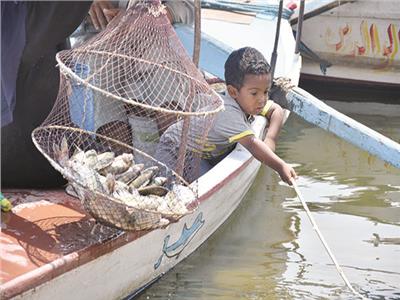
point(321, 237)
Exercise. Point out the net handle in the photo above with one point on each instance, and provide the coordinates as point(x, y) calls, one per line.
point(68, 72)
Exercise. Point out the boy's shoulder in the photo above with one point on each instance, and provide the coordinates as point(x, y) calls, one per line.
point(232, 111)
point(229, 102)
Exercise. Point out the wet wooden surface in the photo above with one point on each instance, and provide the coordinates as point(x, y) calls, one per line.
point(42, 227)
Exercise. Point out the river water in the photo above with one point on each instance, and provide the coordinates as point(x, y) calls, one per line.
point(267, 249)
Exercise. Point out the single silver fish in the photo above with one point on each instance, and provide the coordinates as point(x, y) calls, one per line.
point(144, 178)
point(173, 205)
point(85, 176)
point(153, 190)
point(184, 193)
point(120, 164)
point(91, 158)
point(61, 153)
point(130, 174)
point(79, 155)
point(104, 160)
point(109, 185)
point(160, 181)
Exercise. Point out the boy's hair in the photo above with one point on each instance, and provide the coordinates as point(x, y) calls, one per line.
point(244, 61)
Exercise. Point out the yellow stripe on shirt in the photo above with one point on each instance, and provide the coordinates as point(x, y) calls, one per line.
point(266, 108)
point(237, 137)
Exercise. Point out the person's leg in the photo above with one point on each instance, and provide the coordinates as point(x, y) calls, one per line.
point(48, 24)
point(22, 164)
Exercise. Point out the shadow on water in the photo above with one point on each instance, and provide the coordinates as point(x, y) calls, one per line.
point(268, 250)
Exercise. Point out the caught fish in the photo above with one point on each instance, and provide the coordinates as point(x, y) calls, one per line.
point(184, 193)
point(85, 176)
point(130, 174)
point(150, 202)
point(130, 199)
point(163, 222)
point(145, 177)
point(90, 158)
point(104, 160)
point(79, 155)
point(64, 151)
point(160, 181)
point(120, 164)
point(173, 205)
point(153, 190)
point(109, 185)
point(61, 153)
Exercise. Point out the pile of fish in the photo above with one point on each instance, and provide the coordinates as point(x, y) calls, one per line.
point(139, 189)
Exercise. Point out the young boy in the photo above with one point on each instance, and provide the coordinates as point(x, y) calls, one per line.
point(248, 80)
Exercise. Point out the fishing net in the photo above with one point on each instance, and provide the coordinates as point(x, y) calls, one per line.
point(130, 121)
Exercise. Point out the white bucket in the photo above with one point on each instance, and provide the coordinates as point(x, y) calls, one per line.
point(145, 135)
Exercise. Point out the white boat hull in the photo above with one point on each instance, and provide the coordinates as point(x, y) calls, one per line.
point(129, 268)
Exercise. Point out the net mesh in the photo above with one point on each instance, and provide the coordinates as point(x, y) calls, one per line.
point(130, 121)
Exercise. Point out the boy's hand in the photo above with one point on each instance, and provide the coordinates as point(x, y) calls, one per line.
point(287, 173)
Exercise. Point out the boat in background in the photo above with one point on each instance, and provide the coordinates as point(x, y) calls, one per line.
point(354, 42)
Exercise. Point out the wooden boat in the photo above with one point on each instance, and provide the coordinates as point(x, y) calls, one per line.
point(49, 251)
point(358, 39)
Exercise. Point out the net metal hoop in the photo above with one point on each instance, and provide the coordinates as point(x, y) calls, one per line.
point(67, 71)
point(66, 128)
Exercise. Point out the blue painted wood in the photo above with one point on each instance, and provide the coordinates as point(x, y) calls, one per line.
point(318, 113)
point(213, 53)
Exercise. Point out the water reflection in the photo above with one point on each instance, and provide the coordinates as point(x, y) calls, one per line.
point(268, 250)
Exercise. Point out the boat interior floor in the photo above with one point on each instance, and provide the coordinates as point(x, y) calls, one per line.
point(48, 233)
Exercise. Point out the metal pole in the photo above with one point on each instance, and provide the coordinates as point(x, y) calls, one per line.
point(299, 26)
point(181, 162)
point(278, 28)
point(197, 32)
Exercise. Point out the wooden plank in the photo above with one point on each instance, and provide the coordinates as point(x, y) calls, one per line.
point(318, 113)
point(228, 16)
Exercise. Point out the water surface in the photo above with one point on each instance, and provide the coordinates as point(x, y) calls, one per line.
point(267, 249)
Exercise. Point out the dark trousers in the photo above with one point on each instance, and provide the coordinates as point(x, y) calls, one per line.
point(48, 24)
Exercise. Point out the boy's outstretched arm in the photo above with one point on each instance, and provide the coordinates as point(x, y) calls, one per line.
point(275, 116)
point(263, 153)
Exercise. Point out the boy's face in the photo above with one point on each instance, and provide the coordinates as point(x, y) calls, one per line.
point(253, 94)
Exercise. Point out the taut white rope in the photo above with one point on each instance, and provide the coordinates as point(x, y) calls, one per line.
point(321, 237)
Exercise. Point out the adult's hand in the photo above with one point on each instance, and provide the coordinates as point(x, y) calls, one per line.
point(101, 13)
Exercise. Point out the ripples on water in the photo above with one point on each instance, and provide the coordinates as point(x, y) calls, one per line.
point(268, 250)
